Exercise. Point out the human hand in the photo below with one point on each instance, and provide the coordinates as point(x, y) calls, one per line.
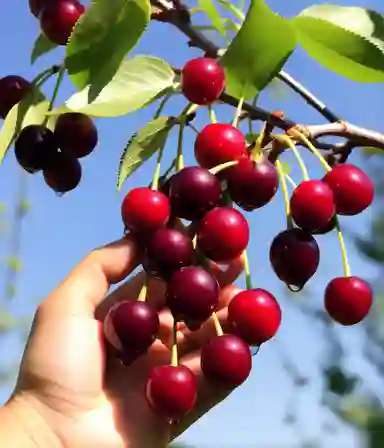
point(87, 398)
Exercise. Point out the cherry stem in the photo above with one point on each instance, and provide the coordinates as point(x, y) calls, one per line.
point(343, 250)
point(247, 272)
point(183, 121)
point(238, 113)
point(312, 148)
point(257, 152)
point(212, 115)
point(59, 80)
point(143, 292)
point(286, 139)
point(156, 176)
point(174, 353)
point(162, 104)
point(223, 166)
point(216, 323)
point(290, 180)
point(284, 188)
point(194, 129)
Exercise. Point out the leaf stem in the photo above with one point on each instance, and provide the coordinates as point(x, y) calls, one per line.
point(174, 352)
point(163, 104)
point(216, 323)
point(343, 250)
point(247, 271)
point(238, 112)
point(285, 194)
point(59, 80)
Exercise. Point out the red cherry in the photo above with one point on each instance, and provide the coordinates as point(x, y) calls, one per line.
point(192, 294)
point(202, 80)
point(252, 185)
point(171, 391)
point(13, 89)
point(145, 210)
point(36, 6)
point(328, 228)
point(223, 234)
point(353, 190)
point(348, 300)
point(193, 192)
point(294, 256)
point(312, 205)
point(226, 360)
point(57, 19)
point(254, 315)
point(218, 143)
point(131, 327)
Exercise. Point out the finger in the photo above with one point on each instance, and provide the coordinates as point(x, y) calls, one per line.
point(130, 290)
point(229, 273)
point(86, 286)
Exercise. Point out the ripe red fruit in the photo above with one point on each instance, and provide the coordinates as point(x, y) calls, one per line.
point(76, 133)
point(202, 80)
point(294, 256)
point(131, 327)
point(13, 89)
point(252, 185)
point(223, 234)
point(192, 294)
point(35, 148)
point(348, 300)
point(328, 228)
point(353, 190)
point(254, 315)
point(167, 251)
point(226, 360)
point(171, 391)
point(64, 174)
point(193, 192)
point(312, 205)
point(218, 143)
point(57, 19)
point(145, 210)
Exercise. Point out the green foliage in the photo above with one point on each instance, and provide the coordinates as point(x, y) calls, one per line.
point(209, 8)
point(31, 110)
point(102, 38)
point(138, 81)
point(42, 46)
point(143, 145)
point(347, 40)
point(338, 382)
point(258, 52)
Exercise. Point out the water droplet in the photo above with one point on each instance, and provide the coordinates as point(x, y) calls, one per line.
point(295, 288)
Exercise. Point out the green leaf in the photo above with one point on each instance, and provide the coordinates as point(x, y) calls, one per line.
point(138, 81)
point(258, 51)
point(208, 7)
point(42, 46)
point(143, 145)
point(14, 263)
point(104, 35)
point(346, 40)
point(29, 111)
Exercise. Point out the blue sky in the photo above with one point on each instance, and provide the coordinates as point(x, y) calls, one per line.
point(59, 231)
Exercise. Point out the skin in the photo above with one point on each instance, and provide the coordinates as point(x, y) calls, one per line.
point(71, 393)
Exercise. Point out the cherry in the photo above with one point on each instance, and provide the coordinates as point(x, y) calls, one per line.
point(58, 18)
point(192, 294)
point(353, 190)
point(226, 360)
point(223, 234)
point(252, 184)
point(76, 133)
point(13, 89)
point(218, 143)
point(131, 327)
point(167, 251)
point(312, 205)
point(348, 300)
point(328, 228)
point(202, 80)
point(65, 173)
point(145, 210)
point(294, 256)
point(35, 148)
point(37, 5)
point(193, 192)
point(254, 315)
point(171, 391)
